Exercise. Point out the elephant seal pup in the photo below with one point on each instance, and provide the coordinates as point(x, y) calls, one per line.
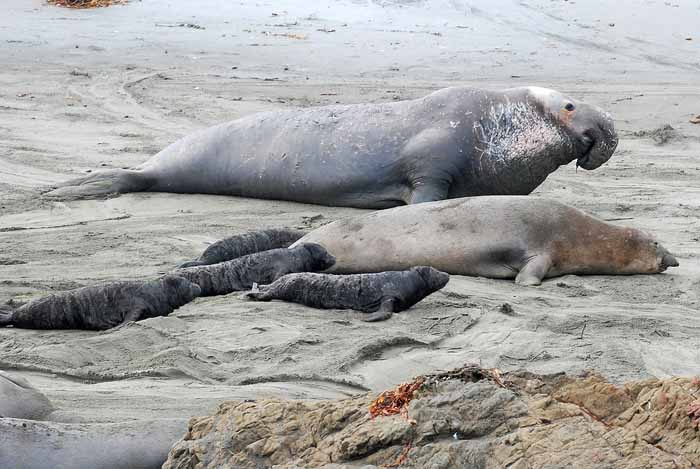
point(525, 238)
point(19, 399)
point(455, 142)
point(382, 294)
point(247, 243)
point(262, 267)
point(53, 445)
point(102, 307)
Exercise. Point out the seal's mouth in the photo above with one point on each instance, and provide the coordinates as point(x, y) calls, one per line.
point(584, 161)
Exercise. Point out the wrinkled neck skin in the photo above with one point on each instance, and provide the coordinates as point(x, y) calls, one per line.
point(517, 146)
point(604, 250)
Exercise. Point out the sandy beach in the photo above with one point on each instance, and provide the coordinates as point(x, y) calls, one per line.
point(83, 90)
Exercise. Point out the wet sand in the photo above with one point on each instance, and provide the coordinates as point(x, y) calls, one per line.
point(84, 90)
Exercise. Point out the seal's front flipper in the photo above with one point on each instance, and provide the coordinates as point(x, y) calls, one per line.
point(113, 181)
point(534, 270)
point(386, 310)
point(428, 191)
point(133, 315)
point(187, 264)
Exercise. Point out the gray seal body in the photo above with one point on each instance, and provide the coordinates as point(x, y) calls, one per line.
point(102, 307)
point(19, 399)
point(29, 438)
point(55, 445)
point(385, 292)
point(521, 237)
point(455, 142)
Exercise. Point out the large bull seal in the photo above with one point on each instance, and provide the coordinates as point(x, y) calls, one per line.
point(455, 142)
point(519, 237)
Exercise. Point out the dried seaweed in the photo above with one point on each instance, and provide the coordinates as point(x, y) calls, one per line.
point(85, 3)
point(395, 401)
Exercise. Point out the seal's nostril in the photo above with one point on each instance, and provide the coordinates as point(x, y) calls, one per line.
point(669, 261)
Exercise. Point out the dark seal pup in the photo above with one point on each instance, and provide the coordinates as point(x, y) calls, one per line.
point(102, 307)
point(243, 244)
point(455, 142)
point(262, 267)
point(526, 238)
point(381, 294)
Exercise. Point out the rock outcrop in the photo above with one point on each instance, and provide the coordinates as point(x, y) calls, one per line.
point(466, 418)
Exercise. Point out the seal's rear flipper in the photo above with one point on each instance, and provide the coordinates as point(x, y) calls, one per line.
point(257, 296)
point(386, 310)
point(187, 264)
point(112, 181)
point(6, 315)
point(258, 293)
point(378, 316)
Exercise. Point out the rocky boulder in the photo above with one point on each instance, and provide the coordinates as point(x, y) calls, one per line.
point(468, 417)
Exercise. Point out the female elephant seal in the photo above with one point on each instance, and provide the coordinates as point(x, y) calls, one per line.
point(455, 142)
point(381, 294)
point(19, 399)
point(519, 237)
point(28, 439)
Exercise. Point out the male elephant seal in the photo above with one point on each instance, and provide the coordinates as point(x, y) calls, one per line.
point(243, 244)
point(382, 294)
point(262, 267)
point(455, 142)
point(499, 236)
point(102, 307)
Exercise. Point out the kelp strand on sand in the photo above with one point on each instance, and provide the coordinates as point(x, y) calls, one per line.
point(85, 3)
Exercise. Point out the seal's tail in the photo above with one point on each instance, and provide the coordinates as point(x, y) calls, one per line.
point(258, 293)
point(6, 315)
point(256, 296)
point(112, 181)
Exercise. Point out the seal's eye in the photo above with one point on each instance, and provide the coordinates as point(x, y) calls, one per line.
point(569, 107)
